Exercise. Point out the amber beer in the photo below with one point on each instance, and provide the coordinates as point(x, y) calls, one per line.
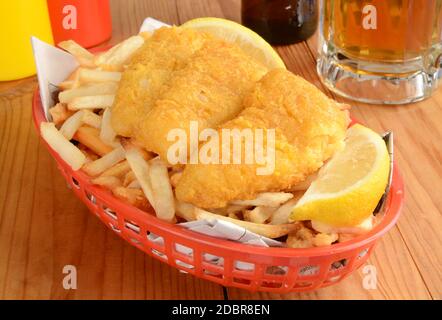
point(383, 30)
point(396, 40)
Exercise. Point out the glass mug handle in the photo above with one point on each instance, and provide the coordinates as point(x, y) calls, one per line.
point(438, 65)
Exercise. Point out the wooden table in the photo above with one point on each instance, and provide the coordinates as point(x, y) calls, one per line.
point(43, 227)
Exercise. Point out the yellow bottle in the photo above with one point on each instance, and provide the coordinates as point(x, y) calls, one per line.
point(19, 20)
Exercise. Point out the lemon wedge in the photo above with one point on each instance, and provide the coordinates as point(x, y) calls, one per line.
point(350, 185)
point(246, 39)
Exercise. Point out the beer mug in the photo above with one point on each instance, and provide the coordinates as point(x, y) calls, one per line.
point(380, 51)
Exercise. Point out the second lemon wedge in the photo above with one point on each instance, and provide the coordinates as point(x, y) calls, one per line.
point(246, 39)
point(350, 185)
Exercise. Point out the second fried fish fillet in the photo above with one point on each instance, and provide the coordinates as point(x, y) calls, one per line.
point(309, 128)
point(208, 90)
point(166, 51)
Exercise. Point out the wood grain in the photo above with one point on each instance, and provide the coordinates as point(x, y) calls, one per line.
point(43, 227)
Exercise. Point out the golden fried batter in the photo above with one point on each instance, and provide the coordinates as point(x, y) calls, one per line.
point(209, 90)
point(166, 51)
point(309, 128)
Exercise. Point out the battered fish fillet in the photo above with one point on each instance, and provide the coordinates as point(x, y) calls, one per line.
point(209, 90)
point(166, 51)
point(310, 127)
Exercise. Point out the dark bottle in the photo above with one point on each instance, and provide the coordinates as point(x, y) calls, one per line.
point(281, 21)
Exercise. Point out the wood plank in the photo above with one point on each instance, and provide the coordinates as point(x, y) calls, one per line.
point(127, 16)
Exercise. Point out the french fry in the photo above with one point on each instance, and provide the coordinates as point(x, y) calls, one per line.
point(117, 56)
point(233, 215)
point(235, 209)
point(185, 210)
point(342, 237)
point(66, 85)
point(71, 125)
point(281, 215)
point(361, 228)
point(140, 167)
point(91, 119)
point(88, 75)
point(266, 230)
point(324, 239)
point(60, 113)
point(108, 182)
point(91, 102)
point(259, 214)
point(107, 133)
point(134, 197)
point(134, 185)
point(73, 81)
point(67, 151)
point(162, 190)
point(301, 237)
point(232, 211)
point(119, 170)
point(221, 211)
point(88, 90)
point(107, 161)
point(84, 57)
point(89, 137)
point(90, 156)
point(129, 178)
point(266, 199)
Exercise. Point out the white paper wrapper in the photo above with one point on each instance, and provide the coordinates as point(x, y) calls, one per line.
point(151, 24)
point(55, 65)
point(226, 230)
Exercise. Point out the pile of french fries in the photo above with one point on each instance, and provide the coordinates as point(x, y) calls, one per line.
point(82, 135)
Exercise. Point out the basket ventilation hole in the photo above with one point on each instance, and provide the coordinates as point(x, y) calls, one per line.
point(135, 241)
point(152, 237)
point(132, 226)
point(183, 250)
point(115, 228)
point(213, 274)
point(110, 213)
point(213, 259)
point(308, 271)
point(271, 284)
point(91, 198)
point(183, 264)
point(333, 279)
point(277, 270)
point(75, 183)
point(362, 253)
point(244, 266)
point(159, 254)
point(246, 282)
point(303, 284)
point(338, 264)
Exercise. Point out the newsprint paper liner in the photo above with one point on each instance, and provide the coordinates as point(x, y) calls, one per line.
point(55, 65)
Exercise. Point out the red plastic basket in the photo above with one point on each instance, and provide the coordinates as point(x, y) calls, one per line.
point(298, 269)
